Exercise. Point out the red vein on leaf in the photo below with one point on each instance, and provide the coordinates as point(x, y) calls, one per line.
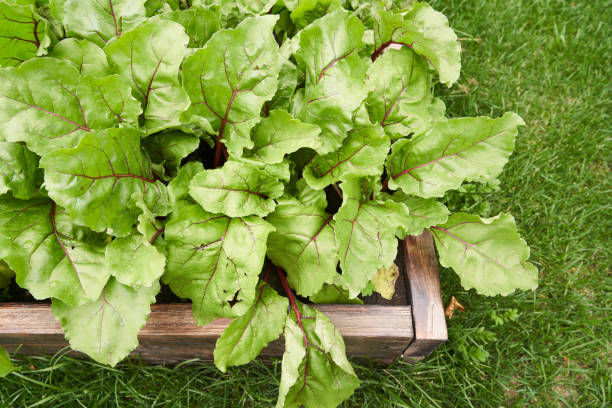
point(384, 46)
point(332, 63)
point(445, 156)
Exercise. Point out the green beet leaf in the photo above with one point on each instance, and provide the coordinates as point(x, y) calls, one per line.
point(178, 188)
point(6, 366)
point(246, 336)
point(363, 153)
point(335, 72)
point(107, 328)
point(95, 181)
point(215, 261)
point(101, 21)
point(488, 254)
point(453, 151)
point(24, 34)
point(87, 56)
point(231, 77)
point(68, 106)
point(400, 95)
point(332, 294)
point(417, 213)
point(305, 12)
point(18, 171)
point(315, 370)
point(287, 82)
point(148, 58)
point(170, 147)
point(304, 246)
point(279, 134)
point(365, 233)
point(236, 190)
point(134, 262)
point(199, 23)
point(424, 30)
point(50, 255)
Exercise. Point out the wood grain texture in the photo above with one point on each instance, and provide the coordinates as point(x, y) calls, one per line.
point(370, 332)
point(424, 283)
point(382, 332)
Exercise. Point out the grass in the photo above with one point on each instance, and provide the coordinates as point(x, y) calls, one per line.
point(549, 61)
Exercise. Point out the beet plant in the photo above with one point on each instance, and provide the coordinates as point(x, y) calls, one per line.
point(212, 145)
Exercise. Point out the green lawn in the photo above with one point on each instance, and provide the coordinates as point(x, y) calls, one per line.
point(550, 61)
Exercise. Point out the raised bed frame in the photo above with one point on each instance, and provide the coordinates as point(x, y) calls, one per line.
point(409, 326)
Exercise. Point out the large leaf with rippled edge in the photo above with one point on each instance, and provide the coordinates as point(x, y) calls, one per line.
point(215, 261)
point(99, 21)
point(236, 189)
point(95, 181)
point(68, 106)
point(363, 153)
point(87, 56)
point(400, 94)
point(134, 262)
point(315, 370)
point(18, 168)
point(107, 328)
point(365, 233)
point(488, 254)
point(199, 23)
point(416, 214)
point(229, 80)
point(51, 256)
point(426, 31)
point(335, 74)
point(304, 246)
point(246, 336)
point(279, 134)
point(148, 58)
point(453, 151)
point(24, 34)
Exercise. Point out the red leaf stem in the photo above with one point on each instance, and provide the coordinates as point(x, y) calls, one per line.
point(298, 315)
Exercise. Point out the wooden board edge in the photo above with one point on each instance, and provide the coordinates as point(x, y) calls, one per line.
point(421, 266)
point(374, 332)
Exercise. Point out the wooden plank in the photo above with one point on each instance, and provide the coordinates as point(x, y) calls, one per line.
point(171, 335)
point(424, 284)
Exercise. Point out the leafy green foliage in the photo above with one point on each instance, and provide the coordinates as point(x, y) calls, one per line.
point(104, 170)
point(215, 260)
point(18, 171)
point(148, 58)
point(24, 33)
point(487, 253)
point(315, 369)
point(246, 336)
point(68, 106)
point(107, 328)
point(6, 366)
point(187, 141)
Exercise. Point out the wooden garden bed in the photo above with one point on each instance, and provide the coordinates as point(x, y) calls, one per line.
point(411, 325)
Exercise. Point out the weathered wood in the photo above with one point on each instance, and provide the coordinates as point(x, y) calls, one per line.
point(171, 335)
point(424, 283)
point(381, 332)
